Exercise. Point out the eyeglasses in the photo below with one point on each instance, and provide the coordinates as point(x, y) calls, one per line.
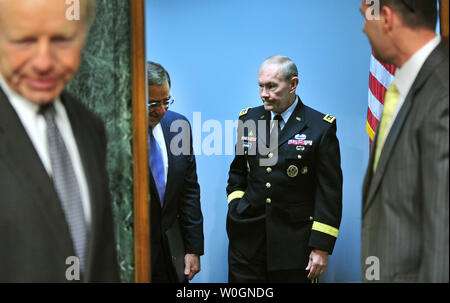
point(153, 105)
point(408, 5)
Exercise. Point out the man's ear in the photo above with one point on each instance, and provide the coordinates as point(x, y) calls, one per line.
point(293, 84)
point(387, 16)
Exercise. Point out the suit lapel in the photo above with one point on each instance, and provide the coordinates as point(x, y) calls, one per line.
point(296, 123)
point(372, 181)
point(19, 154)
point(389, 144)
point(264, 116)
point(369, 171)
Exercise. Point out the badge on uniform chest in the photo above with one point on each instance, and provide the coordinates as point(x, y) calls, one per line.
point(246, 140)
point(300, 140)
point(292, 171)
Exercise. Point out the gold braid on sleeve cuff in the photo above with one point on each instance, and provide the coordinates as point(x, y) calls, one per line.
point(324, 228)
point(235, 195)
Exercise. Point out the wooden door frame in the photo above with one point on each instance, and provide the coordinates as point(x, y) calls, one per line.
point(443, 17)
point(142, 264)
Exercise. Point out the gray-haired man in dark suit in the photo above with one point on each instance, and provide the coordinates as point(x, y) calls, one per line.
point(405, 224)
point(56, 222)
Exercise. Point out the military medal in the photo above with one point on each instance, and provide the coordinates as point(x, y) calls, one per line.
point(301, 137)
point(253, 139)
point(247, 145)
point(292, 171)
point(300, 142)
point(304, 170)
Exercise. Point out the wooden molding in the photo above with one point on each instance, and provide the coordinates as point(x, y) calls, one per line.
point(443, 16)
point(140, 148)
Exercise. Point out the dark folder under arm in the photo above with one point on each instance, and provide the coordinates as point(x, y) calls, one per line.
point(176, 249)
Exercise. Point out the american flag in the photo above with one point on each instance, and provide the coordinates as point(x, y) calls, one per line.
point(380, 77)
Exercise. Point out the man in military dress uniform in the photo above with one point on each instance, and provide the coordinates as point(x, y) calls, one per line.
point(285, 185)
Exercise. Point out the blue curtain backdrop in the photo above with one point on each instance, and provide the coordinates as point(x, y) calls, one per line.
point(212, 50)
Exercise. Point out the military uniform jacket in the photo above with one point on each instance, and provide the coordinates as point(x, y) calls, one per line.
point(293, 203)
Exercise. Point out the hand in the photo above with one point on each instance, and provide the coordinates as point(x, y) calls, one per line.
point(191, 265)
point(318, 261)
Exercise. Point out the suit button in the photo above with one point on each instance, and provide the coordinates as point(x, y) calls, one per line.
point(268, 185)
point(299, 156)
point(270, 155)
point(268, 200)
point(269, 170)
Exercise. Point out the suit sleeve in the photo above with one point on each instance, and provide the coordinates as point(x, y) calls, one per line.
point(190, 209)
point(237, 176)
point(434, 155)
point(328, 196)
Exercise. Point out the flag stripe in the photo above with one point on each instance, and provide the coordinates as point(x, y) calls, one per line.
point(377, 89)
point(370, 131)
point(371, 119)
point(389, 67)
point(380, 72)
point(380, 77)
point(375, 106)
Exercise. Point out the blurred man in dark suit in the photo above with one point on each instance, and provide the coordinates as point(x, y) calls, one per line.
point(405, 193)
point(56, 222)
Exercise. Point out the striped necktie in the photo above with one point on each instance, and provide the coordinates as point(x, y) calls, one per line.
point(390, 103)
point(66, 184)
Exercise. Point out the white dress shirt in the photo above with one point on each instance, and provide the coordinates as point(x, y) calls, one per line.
point(35, 126)
point(406, 75)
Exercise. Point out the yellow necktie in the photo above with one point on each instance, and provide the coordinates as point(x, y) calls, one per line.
point(390, 102)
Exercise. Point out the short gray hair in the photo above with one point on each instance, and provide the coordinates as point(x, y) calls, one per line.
point(288, 67)
point(156, 74)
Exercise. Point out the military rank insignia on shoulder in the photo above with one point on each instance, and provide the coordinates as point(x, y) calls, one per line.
point(244, 111)
point(329, 119)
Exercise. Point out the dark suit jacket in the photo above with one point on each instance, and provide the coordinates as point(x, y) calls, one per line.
point(405, 203)
point(182, 195)
point(34, 236)
point(295, 204)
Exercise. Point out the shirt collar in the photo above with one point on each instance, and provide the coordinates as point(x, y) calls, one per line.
point(288, 112)
point(405, 76)
point(19, 102)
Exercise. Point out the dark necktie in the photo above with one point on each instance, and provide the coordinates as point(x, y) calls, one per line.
point(156, 165)
point(65, 183)
point(279, 119)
